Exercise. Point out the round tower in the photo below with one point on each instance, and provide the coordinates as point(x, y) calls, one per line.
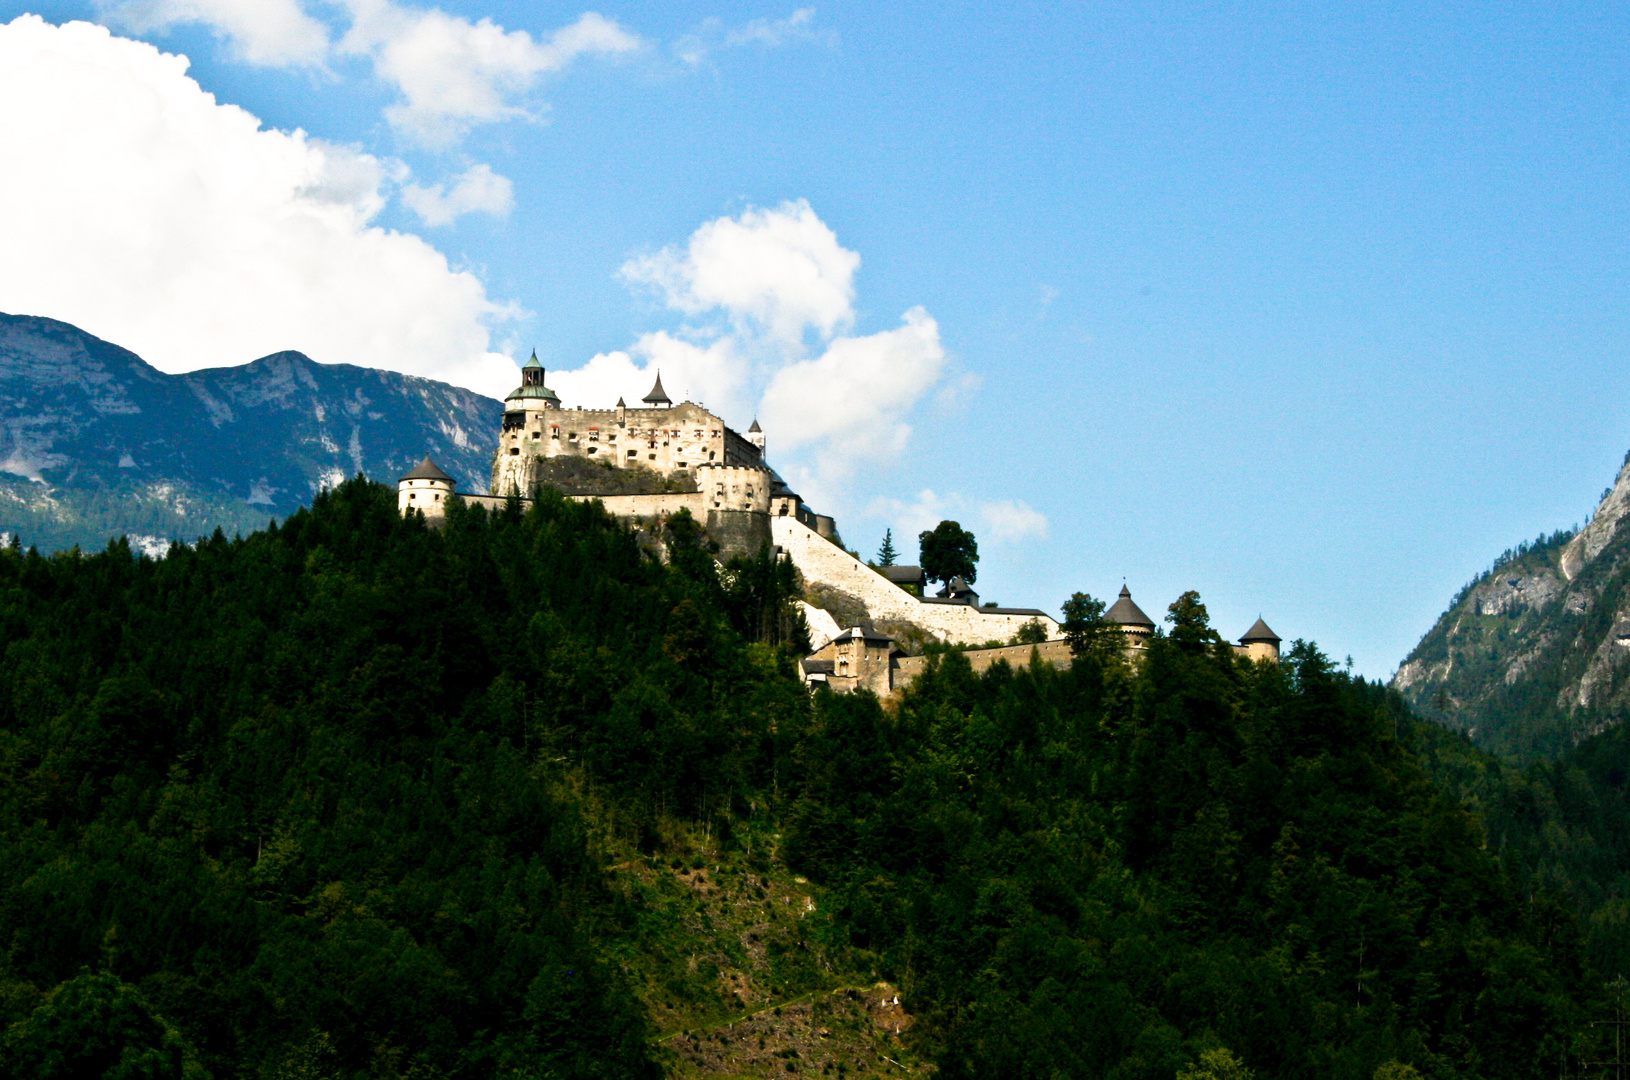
point(1136, 628)
point(526, 420)
point(1259, 642)
point(426, 489)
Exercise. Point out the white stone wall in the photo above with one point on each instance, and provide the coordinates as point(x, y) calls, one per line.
point(722, 488)
point(429, 497)
point(822, 626)
point(822, 562)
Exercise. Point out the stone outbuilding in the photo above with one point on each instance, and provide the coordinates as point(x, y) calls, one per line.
point(860, 658)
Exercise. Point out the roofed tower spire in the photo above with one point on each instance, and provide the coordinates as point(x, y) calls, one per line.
point(658, 396)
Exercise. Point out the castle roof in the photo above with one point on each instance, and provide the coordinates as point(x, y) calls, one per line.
point(428, 470)
point(1125, 613)
point(1258, 632)
point(657, 396)
point(865, 631)
point(620, 404)
point(755, 427)
point(532, 362)
point(539, 391)
point(908, 575)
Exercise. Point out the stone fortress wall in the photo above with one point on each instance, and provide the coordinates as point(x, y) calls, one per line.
point(822, 561)
point(907, 669)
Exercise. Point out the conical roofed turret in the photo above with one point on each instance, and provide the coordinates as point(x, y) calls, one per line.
point(657, 396)
point(1259, 632)
point(1125, 613)
point(428, 470)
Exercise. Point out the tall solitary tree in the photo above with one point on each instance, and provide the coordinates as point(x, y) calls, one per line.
point(1191, 623)
point(886, 555)
point(948, 551)
point(1084, 626)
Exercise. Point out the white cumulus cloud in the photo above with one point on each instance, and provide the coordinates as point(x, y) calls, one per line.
point(858, 389)
point(768, 297)
point(780, 271)
point(180, 228)
point(272, 33)
point(478, 190)
point(453, 73)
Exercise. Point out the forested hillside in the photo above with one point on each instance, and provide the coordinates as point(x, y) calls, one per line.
point(350, 797)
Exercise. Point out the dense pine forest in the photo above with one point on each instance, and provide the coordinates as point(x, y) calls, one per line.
point(351, 797)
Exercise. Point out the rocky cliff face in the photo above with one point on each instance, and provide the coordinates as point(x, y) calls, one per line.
point(95, 442)
point(1535, 654)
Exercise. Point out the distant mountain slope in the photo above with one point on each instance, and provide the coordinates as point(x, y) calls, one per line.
point(1534, 655)
point(94, 441)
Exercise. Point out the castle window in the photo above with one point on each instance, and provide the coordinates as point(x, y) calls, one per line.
point(653, 457)
point(592, 449)
point(682, 465)
point(537, 435)
point(412, 495)
point(633, 453)
point(571, 436)
point(515, 450)
point(710, 455)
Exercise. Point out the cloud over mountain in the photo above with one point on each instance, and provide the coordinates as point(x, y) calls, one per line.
point(180, 227)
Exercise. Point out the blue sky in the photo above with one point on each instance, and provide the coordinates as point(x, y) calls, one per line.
point(1314, 308)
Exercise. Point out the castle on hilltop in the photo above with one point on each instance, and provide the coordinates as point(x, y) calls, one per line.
point(646, 464)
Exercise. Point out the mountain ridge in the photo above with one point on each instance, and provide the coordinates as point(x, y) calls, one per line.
point(95, 441)
point(1531, 656)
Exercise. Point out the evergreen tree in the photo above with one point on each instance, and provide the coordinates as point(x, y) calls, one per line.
point(886, 555)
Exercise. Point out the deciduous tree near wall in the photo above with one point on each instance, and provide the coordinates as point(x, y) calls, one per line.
point(1084, 627)
point(949, 551)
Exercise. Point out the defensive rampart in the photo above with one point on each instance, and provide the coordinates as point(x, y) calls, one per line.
point(908, 668)
point(822, 562)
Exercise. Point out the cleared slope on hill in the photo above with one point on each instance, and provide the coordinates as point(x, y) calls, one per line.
point(95, 442)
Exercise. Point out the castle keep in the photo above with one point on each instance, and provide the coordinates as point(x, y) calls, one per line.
point(662, 436)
